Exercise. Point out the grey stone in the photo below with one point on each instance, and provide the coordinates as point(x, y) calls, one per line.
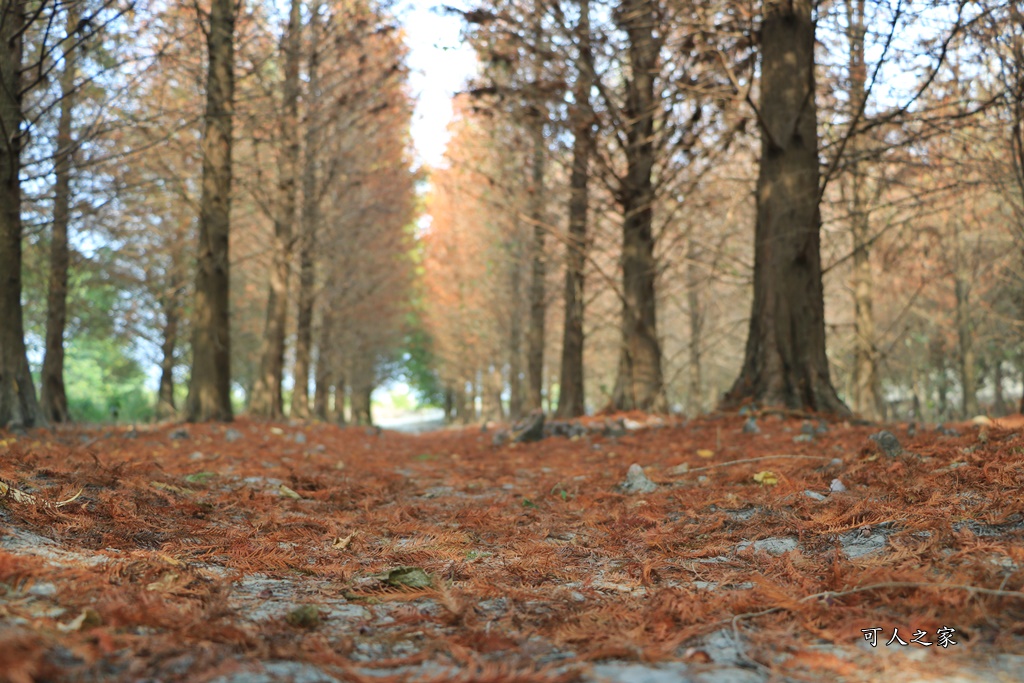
point(862, 542)
point(814, 496)
point(803, 438)
point(280, 672)
point(636, 481)
point(300, 437)
point(772, 546)
point(750, 426)
point(232, 435)
point(179, 434)
point(623, 672)
point(836, 486)
point(888, 442)
point(42, 589)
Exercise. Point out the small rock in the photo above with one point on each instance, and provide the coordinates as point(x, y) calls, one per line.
point(499, 438)
point(750, 426)
point(636, 481)
point(836, 486)
point(822, 427)
point(889, 444)
point(803, 438)
point(300, 437)
point(814, 496)
point(197, 455)
point(179, 434)
point(232, 435)
point(807, 428)
point(42, 590)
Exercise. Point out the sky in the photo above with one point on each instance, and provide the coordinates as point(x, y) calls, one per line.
point(440, 63)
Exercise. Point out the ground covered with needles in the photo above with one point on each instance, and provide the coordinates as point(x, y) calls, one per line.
point(742, 548)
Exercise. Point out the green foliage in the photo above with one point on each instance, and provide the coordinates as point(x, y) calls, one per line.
point(101, 380)
point(417, 364)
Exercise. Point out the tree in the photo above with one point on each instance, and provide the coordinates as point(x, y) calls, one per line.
point(310, 219)
point(640, 382)
point(18, 404)
point(785, 361)
point(267, 399)
point(571, 397)
point(209, 395)
point(53, 396)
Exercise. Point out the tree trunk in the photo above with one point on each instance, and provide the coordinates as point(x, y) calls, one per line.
point(999, 400)
point(310, 220)
point(571, 398)
point(867, 394)
point(696, 314)
point(325, 362)
point(639, 384)
point(267, 399)
point(171, 304)
point(53, 396)
point(210, 385)
point(515, 334)
point(18, 404)
point(966, 356)
point(165, 408)
point(785, 361)
point(538, 308)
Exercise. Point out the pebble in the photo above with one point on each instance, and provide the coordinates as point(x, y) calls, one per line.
point(636, 481)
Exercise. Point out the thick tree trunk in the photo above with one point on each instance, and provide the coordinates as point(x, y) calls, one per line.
point(640, 383)
point(694, 283)
point(18, 404)
point(210, 385)
point(53, 396)
point(785, 361)
point(267, 399)
point(310, 220)
point(538, 268)
point(571, 397)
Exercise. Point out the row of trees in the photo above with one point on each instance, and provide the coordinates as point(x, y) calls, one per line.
point(277, 145)
point(873, 148)
point(647, 204)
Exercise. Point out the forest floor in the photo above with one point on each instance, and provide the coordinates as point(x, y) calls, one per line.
point(303, 552)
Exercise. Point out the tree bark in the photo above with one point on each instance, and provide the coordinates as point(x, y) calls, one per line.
point(538, 307)
point(18, 404)
point(171, 305)
point(515, 334)
point(267, 399)
point(165, 408)
point(326, 360)
point(867, 390)
point(966, 355)
point(640, 384)
point(53, 396)
point(696, 316)
point(785, 361)
point(310, 219)
point(210, 385)
point(571, 397)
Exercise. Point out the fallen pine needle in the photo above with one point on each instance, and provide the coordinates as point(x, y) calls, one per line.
point(745, 460)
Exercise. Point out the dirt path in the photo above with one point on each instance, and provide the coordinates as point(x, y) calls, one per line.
point(256, 553)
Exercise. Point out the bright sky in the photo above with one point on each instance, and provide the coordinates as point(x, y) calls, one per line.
point(440, 64)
